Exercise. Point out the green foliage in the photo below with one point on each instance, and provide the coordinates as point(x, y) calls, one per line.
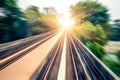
point(90, 10)
point(50, 22)
point(115, 32)
point(37, 30)
point(93, 28)
point(10, 7)
point(34, 18)
point(93, 33)
point(96, 48)
point(32, 15)
point(11, 14)
point(40, 22)
point(93, 17)
point(10, 11)
point(110, 60)
point(113, 62)
point(101, 36)
point(16, 25)
point(117, 54)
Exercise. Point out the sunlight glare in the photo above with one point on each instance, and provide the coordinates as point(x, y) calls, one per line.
point(66, 21)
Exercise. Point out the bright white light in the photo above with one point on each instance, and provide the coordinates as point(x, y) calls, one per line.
point(66, 21)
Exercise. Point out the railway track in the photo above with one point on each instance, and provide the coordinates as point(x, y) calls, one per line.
point(69, 59)
point(16, 52)
point(80, 63)
point(51, 63)
point(88, 67)
point(16, 46)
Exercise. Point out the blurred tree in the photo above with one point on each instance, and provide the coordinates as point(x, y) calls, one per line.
point(113, 62)
point(93, 27)
point(96, 48)
point(94, 19)
point(10, 8)
point(40, 22)
point(117, 22)
point(117, 54)
point(10, 13)
point(90, 10)
point(32, 15)
point(14, 24)
point(50, 22)
point(34, 18)
point(88, 31)
point(115, 30)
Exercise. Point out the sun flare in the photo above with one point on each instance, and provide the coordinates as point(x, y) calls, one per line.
point(66, 21)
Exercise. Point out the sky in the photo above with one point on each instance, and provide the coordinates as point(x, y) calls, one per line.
point(62, 6)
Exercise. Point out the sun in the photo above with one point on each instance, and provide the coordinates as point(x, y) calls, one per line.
point(66, 21)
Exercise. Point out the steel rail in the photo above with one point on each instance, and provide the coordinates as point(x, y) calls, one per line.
point(50, 69)
point(23, 52)
point(10, 50)
point(95, 68)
